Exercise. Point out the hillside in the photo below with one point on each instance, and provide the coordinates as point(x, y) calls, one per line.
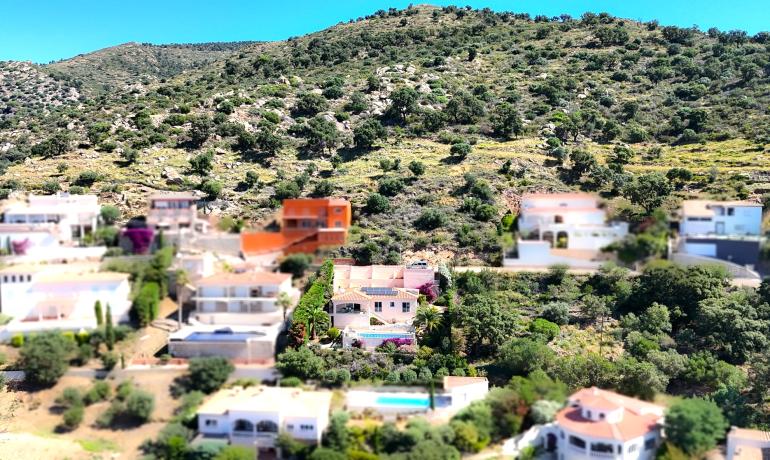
point(447, 112)
point(131, 65)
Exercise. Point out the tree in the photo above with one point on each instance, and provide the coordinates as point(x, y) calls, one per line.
point(208, 374)
point(316, 319)
point(109, 214)
point(109, 331)
point(695, 425)
point(200, 130)
point(211, 188)
point(523, 356)
point(464, 108)
point(145, 307)
point(320, 134)
point(368, 132)
point(486, 323)
point(404, 101)
point(44, 357)
point(506, 121)
point(337, 436)
point(203, 163)
point(181, 280)
point(129, 155)
point(72, 417)
point(301, 363)
point(648, 191)
point(556, 312)
point(98, 313)
point(427, 319)
point(322, 189)
point(309, 104)
point(376, 204)
point(56, 145)
point(296, 264)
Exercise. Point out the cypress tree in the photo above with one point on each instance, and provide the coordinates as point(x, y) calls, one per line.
point(109, 332)
point(98, 313)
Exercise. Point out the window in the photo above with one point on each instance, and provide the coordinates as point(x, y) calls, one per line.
point(602, 447)
point(588, 414)
point(338, 210)
point(290, 427)
point(13, 278)
point(337, 223)
point(5, 278)
point(730, 211)
point(211, 423)
point(601, 416)
point(577, 442)
point(632, 448)
point(649, 444)
point(377, 307)
point(306, 427)
point(405, 307)
point(393, 305)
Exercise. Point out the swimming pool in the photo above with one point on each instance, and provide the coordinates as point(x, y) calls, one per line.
point(403, 401)
point(385, 335)
point(221, 336)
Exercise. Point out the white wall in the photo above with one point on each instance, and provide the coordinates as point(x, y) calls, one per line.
point(747, 220)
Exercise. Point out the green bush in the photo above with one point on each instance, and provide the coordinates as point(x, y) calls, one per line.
point(17, 340)
point(139, 406)
point(99, 391)
point(72, 417)
point(208, 374)
point(292, 382)
point(109, 360)
point(70, 397)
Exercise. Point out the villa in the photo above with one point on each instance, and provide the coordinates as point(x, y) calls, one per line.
point(254, 416)
point(46, 297)
point(247, 298)
point(600, 423)
point(721, 230)
point(563, 228)
point(307, 225)
point(237, 315)
point(175, 212)
point(745, 444)
point(49, 227)
point(347, 276)
point(369, 315)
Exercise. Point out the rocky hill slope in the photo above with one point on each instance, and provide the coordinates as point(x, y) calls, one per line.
point(448, 113)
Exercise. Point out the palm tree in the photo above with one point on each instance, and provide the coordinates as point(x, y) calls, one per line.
point(284, 301)
point(182, 278)
point(315, 317)
point(427, 318)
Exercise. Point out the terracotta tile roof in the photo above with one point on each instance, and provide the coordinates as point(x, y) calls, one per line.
point(246, 278)
point(358, 294)
point(638, 419)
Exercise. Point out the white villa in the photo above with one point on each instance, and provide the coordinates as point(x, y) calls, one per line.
point(246, 298)
point(723, 230)
point(395, 276)
point(563, 228)
point(50, 227)
point(745, 444)
point(603, 424)
point(254, 416)
point(237, 315)
point(46, 297)
point(354, 310)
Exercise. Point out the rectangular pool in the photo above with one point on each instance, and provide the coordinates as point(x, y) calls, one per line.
point(221, 337)
point(402, 401)
point(385, 335)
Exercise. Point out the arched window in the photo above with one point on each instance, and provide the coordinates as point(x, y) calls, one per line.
point(243, 425)
point(267, 426)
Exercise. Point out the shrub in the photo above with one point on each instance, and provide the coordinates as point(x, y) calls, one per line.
point(377, 204)
point(87, 178)
point(100, 391)
point(44, 358)
point(556, 312)
point(291, 382)
point(139, 406)
point(72, 417)
point(417, 167)
point(431, 219)
point(109, 214)
point(460, 150)
point(541, 327)
point(296, 264)
point(211, 188)
point(70, 397)
point(109, 360)
point(208, 374)
point(17, 340)
point(84, 354)
point(390, 186)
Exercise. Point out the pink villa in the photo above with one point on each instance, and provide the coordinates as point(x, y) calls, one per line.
point(374, 303)
point(175, 211)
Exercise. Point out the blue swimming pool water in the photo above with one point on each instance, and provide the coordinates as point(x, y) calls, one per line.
point(220, 336)
point(385, 335)
point(401, 401)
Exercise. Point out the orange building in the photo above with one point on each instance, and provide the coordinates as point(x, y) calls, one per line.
point(307, 224)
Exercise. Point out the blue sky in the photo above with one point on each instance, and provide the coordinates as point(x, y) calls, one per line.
point(45, 30)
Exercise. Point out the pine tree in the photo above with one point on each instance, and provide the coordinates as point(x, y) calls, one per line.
point(109, 332)
point(98, 313)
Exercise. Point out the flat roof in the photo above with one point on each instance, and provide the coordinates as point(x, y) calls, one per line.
point(244, 278)
point(287, 401)
point(703, 207)
point(171, 195)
